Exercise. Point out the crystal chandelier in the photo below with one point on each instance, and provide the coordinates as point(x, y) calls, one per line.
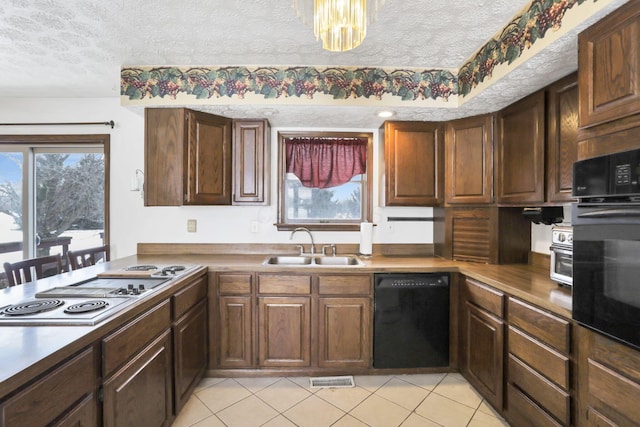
point(341, 24)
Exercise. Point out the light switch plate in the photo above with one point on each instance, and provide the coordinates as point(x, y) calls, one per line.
point(192, 225)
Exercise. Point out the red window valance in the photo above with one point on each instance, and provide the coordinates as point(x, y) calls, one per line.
point(326, 162)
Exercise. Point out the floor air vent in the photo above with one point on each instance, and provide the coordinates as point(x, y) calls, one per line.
point(332, 382)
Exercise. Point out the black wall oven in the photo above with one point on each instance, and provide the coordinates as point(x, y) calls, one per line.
point(606, 245)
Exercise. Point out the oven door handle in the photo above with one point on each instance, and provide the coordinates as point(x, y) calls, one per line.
point(612, 213)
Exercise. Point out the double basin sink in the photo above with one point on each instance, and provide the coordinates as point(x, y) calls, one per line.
point(313, 260)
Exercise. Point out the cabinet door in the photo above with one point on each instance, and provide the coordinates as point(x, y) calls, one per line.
point(562, 137)
point(609, 67)
point(190, 352)
point(164, 156)
point(140, 394)
point(608, 381)
point(469, 160)
point(208, 163)
point(250, 162)
point(84, 414)
point(284, 331)
point(483, 341)
point(520, 151)
point(413, 164)
point(344, 339)
point(235, 326)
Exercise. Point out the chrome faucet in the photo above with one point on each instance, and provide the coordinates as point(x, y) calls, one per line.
point(313, 247)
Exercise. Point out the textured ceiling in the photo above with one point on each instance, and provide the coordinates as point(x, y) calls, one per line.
point(75, 48)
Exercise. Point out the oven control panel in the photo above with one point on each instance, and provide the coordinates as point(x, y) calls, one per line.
point(562, 235)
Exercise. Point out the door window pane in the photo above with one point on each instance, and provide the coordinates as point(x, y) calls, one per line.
point(69, 201)
point(11, 207)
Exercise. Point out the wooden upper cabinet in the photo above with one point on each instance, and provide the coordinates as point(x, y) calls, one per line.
point(609, 67)
point(251, 160)
point(413, 164)
point(164, 156)
point(519, 160)
point(187, 158)
point(209, 160)
point(562, 137)
point(469, 160)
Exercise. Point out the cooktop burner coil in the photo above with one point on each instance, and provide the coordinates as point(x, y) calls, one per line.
point(32, 307)
point(86, 306)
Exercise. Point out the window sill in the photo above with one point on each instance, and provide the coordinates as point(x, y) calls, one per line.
point(321, 227)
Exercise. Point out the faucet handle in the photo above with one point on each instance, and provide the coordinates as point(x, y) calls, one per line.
point(301, 247)
point(332, 247)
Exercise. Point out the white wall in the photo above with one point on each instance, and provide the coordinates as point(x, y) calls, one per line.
point(131, 222)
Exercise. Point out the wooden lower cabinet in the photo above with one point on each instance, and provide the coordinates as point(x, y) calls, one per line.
point(43, 404)
point(345, 319)
point(284, 331)
point(539, 366)
point(82, 415)
point(190, 352)
point(235, 326)
point(232, 320)
point(190, 339)
point(292, 320)
point(344, 334)
point(482, 339)
point(608, 381)
point(141, 392)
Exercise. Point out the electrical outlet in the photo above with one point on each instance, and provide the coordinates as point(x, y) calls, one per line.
point(192, 225)
point(254, 226)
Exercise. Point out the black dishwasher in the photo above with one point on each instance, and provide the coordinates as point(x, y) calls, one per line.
point(411, 320)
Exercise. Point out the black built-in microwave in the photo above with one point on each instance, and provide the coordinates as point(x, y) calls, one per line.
point(606, 245)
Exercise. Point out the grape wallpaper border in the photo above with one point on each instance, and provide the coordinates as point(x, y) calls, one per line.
point(137, 84)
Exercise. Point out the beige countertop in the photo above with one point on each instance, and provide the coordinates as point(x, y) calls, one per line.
point(531, 283)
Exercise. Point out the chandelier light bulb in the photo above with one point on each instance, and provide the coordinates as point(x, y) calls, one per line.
point(340, 24)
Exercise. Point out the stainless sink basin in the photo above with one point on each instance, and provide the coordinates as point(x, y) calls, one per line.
point(288, 260)
point(338, 260)
point(315, 260)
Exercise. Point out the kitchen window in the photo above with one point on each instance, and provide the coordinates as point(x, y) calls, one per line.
point(54, 194)
point(324, 180)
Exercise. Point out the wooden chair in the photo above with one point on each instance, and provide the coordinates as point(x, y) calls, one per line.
point(21, 272)
point(85, 257)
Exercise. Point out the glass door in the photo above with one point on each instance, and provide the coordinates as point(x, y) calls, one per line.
point(69, 199)
point(11, 206)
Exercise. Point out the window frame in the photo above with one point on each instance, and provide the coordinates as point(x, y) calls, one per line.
point(367, 187)
point(26, 143)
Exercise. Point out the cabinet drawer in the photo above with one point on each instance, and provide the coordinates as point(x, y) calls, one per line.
point(546, 327)
point(483, 296)
point(127, 341)
point(523, 412)
point(234, 284)
point(551, 397)
point(284, 284)
point(539, 356)
point(612, 393)
point(42, 402)
point(188, 297)
point(344, 285)
point(624, 358)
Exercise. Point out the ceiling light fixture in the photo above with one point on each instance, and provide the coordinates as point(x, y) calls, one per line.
point(385, 114)
point(341, 24)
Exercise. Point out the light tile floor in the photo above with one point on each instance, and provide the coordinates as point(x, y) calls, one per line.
point(386, 401)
